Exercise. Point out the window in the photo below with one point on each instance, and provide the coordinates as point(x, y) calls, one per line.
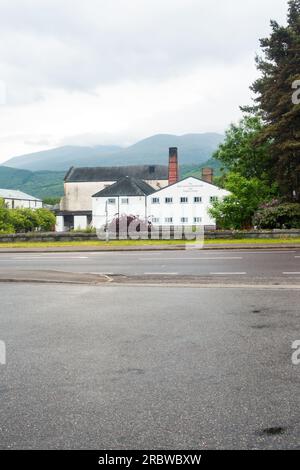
point(125, 200)
point(169, 220)
point(197, 220)
point(197, 200)
point(111, 201)
point(155, 220)
point(184, 200)
point(155, 200)
point(184, 220)
point(168, 200)
point(213, 198)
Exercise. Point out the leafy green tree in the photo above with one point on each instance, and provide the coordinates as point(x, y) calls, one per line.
point(279, 68)
point(28, 220)
point(236, 210)
point(5, 224)
point(271, 216)
point(46, 219)
point(51, 201)
point(21, 220)
point(240, 153)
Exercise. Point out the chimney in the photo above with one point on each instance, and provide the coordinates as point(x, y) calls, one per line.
point(208, 175)
point(173, 165)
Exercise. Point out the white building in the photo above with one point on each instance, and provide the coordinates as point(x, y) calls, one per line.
point(81, 183)
point(183, 203)
point(19, 200)
point(128, 196)
point(95, 196)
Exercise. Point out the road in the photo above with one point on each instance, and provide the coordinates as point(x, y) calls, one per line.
point(119, 367)
point(270, 263)
point(116, 366)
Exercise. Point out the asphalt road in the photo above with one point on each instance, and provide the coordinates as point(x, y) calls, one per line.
point(117, 367)
point(235, 263)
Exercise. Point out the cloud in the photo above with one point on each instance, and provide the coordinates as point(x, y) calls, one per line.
point(124, 68)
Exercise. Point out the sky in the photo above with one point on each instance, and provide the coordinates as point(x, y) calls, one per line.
point(114, 72)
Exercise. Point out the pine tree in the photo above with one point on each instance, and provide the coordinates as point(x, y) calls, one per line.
point(279, 69)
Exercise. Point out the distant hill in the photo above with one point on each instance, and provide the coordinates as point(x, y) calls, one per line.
point(61, 158)
point(39, 184)
point(192, 170)
point(194, 149)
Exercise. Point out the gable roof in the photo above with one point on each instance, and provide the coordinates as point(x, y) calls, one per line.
point(194, 178)
point(15, 194)
point(126, 186)
point(113, 173)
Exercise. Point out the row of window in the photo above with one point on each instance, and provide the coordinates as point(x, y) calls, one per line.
point(167, 200)
point(183, 220)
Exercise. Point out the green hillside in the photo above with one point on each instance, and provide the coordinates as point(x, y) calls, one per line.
point(195, 170)
point(39, 184)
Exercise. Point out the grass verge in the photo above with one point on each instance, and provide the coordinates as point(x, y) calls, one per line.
point(119, 243)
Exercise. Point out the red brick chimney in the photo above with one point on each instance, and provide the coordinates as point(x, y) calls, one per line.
point(173, 165)
point(208, 175)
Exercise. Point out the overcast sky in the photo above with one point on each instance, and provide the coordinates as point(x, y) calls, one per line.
point(115, 71)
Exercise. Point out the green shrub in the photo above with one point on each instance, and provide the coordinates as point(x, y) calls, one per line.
point(25, 220)
point(278, 216)
point(46, 220)
point(237, 210)
point(84, 230)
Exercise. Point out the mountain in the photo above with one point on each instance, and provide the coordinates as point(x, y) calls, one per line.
point(39, 184)
point(194, 149)
point(61, 158)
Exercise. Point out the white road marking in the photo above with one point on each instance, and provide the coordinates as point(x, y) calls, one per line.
point(258, 252)
point(45, 257)
point(197, 259)
point(297, 273)
point(160, 274)
point(227, 274)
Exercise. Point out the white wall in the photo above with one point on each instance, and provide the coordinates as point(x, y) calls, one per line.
point(23, 204)
point(189, 188)
point(136, 207)
point(78, 196)
point(80, 222)
point(59, 226)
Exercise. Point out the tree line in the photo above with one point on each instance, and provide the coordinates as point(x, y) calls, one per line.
point(261, 154)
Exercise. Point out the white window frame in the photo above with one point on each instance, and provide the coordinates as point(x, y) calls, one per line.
point(197, 202)
point(186, 200)
point(125, 200)
point(155, 200)
point(168, 200)
point(184, 220)
point(197, 220)
point(111, 201)
point(169, 220)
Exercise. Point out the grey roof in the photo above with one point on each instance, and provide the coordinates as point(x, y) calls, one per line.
point(14, 194)
point(113, 173)
point(126, 186)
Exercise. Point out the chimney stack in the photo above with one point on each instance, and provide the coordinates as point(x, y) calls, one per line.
point(173, 165)
point(208, 175)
